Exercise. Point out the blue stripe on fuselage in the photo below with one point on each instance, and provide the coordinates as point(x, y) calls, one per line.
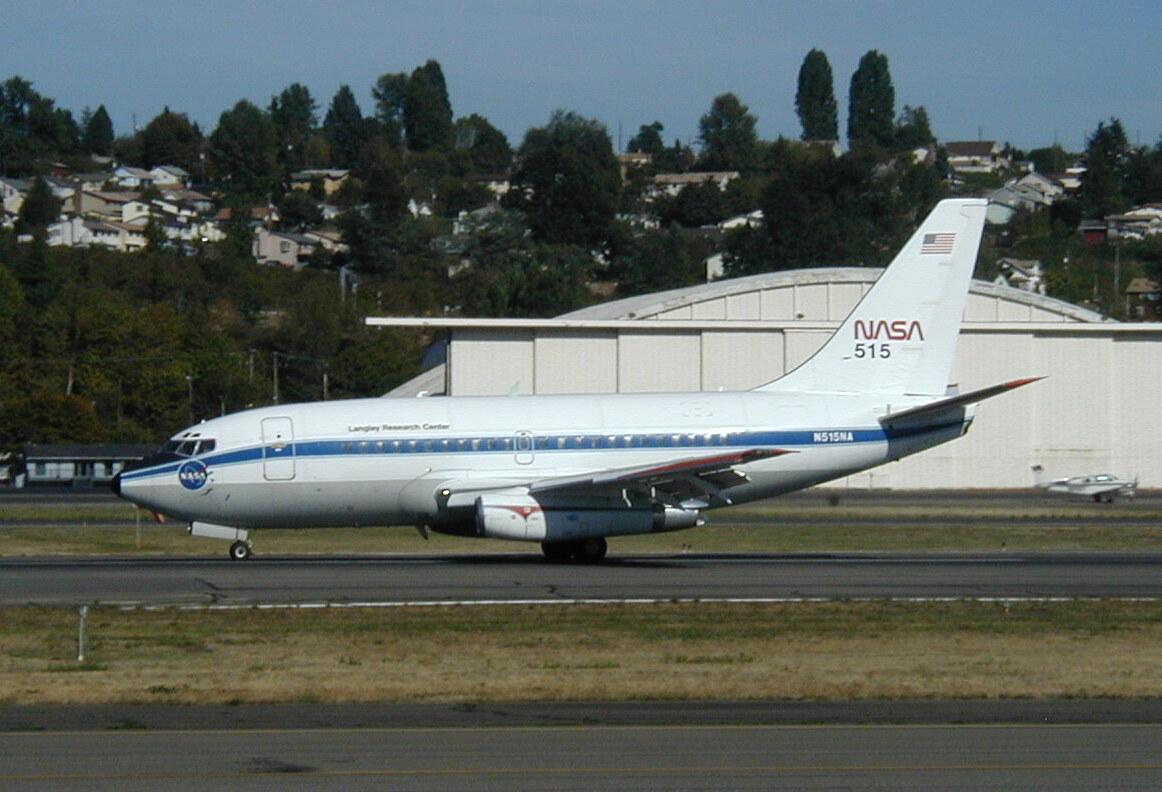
point(549, 443)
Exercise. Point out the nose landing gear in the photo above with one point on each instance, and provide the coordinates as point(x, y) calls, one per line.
point(240, 551)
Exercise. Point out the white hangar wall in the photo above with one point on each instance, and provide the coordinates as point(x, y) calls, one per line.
point(1096, 411)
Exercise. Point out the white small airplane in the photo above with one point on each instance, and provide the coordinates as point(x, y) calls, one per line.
point(1102, 487)
point(570, 471)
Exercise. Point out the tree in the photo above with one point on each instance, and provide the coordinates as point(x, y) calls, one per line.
point(427, 112)
point(914, 129)
point(170, 139)
point(815, 98)
point(872, 100)
point(343, 127)
point(567, 180)
point(98, 135)
point(390, 94)
point(40, 208)
point(244, 150)
point(648, 140)
point(487, 147)
point(293, 113)
point(1107, 161)
point(727, 132)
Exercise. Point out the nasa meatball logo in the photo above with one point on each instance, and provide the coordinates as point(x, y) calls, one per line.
point(193, 474)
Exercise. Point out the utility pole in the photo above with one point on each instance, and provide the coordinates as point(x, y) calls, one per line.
point(190, 398)
point(326, 389)
point(274, 358)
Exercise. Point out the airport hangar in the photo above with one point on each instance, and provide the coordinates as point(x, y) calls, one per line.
point(1097, 411)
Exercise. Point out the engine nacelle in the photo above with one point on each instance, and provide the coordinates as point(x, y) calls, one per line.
point(521, 516)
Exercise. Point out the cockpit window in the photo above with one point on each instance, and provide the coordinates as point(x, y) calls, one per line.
point(187, 448)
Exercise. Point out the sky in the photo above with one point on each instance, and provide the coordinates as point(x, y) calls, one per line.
point(1028, 73)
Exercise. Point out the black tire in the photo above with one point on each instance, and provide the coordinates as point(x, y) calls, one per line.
point(240, 551)
point(592, 550)
point(558, 552)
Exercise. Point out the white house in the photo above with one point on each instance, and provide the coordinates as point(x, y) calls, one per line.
point(282, 248)
point(1138, 223)
point(671, 184)
point(130, 178)
point(12, 191)
point(169, 176)
point(70, 232)
point(976, 156)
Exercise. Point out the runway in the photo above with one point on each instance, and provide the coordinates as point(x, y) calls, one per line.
point(651, 757)
point(527, 578)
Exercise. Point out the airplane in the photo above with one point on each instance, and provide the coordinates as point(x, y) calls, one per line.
point(1102, 487)
point(569, 471)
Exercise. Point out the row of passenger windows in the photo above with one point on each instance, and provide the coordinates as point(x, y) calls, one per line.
point(529, 444)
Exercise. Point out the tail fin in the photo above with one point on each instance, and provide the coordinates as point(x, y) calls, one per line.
point(901, 337)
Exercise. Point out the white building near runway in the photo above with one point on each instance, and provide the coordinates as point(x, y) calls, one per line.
point(1097, 410)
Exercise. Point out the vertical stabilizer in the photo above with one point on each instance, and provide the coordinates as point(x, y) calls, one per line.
point(901, 337)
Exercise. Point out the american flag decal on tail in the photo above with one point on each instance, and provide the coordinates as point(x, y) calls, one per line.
point(937, 244)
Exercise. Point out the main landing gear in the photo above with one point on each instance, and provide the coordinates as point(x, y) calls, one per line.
point(586, 551)
point(240, 551)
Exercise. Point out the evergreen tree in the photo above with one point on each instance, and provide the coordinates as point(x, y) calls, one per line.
point(871, 114)
point(293, 113)
point(40, 208)
point(1107, 161)
point(815, 98)
point(244, 151)
point(727, 132)
point(343, 127)
point(170, 139)
point(98, 135)
point(390, 94)
point(427, 110)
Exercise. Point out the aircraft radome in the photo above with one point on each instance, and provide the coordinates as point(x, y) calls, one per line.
point(570, 471)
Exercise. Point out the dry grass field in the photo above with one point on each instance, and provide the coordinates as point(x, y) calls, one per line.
point(620, 652)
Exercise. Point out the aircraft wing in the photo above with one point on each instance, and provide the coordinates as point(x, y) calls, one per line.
point(694, 477)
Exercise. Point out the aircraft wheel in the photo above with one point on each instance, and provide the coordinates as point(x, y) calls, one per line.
point(557, 551)
point(240, 551)
point(591, 550)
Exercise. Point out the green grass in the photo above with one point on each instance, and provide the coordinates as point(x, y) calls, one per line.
point(793, 525)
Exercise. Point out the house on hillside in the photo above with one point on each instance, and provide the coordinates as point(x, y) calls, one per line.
point(671, 184)
point(127, 177)
point(169, 176)
point(1024, 274)
point(1138, 223)
point(976, 156)
point(331, 179)
point(1144, 300)
point(12, 192)
point(282, 248)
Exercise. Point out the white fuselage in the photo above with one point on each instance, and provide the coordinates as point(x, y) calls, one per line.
point(379, 461)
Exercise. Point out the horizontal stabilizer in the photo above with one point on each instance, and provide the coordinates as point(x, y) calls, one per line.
point(958, 400)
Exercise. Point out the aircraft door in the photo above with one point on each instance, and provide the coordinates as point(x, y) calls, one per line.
point(278, 449)
point(523, 444)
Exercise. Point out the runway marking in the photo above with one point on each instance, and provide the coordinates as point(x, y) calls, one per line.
point(324, 605)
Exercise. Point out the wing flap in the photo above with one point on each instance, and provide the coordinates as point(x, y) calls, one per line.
point(712, 471)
